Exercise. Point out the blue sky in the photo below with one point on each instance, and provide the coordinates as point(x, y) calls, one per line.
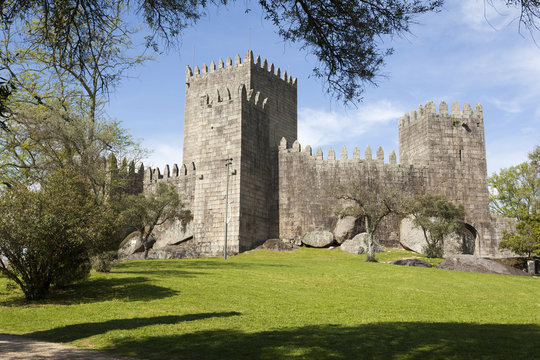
point(466, 53)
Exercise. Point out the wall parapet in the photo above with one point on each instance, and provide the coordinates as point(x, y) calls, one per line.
point(155, 175)
point(344, 156)
point(227, 65)
point(430, 108)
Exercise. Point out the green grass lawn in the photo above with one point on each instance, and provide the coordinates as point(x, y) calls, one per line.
point(305, 304)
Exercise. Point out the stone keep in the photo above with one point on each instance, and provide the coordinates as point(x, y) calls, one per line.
point(239, 110)
point(247, 110)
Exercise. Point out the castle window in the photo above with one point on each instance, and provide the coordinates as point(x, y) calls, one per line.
point(460, 155)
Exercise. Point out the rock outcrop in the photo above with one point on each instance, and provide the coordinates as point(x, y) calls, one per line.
point(346, 228)
point(276, 245)
point(318, 239)
point(472, 263)
point(359, 245)
point(412, 262)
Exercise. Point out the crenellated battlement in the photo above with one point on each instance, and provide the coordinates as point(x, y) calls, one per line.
point(155, 175)
point(344, 156)
point(111, 165)
point(228, 65)
point(455, 116)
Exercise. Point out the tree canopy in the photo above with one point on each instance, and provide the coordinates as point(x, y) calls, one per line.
point(144, 212)
point(48, 235)
point(516, 193)
point(437, 217)
point(344, 36)
point(371, 202)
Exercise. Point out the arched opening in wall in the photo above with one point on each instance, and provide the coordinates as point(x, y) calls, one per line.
point(468, 239)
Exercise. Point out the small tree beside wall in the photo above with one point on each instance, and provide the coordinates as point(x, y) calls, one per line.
point(146, 211)
point(371, 202)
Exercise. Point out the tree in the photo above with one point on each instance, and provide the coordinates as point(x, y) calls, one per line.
point(516, 193)
point(526, 240)
point(48, 235)
point(60, 85)
point(372, 203)
point(437, 217)
point(344, 36)
point(146, 211)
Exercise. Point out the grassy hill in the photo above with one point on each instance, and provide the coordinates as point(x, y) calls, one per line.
point(306, 304)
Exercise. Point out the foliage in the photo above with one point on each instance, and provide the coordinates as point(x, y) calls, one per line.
point(144, 212)
point(103, 262)
point(60, 83)
point(6, 89)
point(344, 36)
point(371, 202)
point(47, 234)
point(304, 304)
point(437, 217)
point(515, 191)
point(526, 240)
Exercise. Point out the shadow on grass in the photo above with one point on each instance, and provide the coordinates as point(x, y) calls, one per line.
point(79, 331)
point(392, 340)
point(101, 289)
point(180, 267)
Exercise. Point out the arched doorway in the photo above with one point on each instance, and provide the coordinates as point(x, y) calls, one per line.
point(468, 239)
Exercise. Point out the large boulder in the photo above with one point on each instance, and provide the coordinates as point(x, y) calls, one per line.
point(318, 239)
point(132, 245)
point(181, 251)
point(346, 228)
point(359, 245)
point(472, 263)
point(412, 262)
point(277, 245)
point(172, 233)
point(412, 238)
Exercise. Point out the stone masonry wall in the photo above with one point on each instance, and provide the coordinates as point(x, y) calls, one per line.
point(306, 181)
point(255, 175)
point(453, 146)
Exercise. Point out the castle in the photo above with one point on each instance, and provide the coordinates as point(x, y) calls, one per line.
point(247, 111)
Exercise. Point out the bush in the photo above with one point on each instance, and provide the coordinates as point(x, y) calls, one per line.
point(433, 251)
point(103, 262)
point(46, 235)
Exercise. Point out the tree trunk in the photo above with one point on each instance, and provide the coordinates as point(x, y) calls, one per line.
point(144, 241)
point(370, 255)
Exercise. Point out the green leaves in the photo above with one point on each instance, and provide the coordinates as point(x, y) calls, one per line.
point(47, 234)
point(437, 217)
point(146, 211)
point(515, 191)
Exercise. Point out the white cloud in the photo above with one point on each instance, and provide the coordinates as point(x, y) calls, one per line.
point(487, 18)
point(163, 154)
point(319, 127)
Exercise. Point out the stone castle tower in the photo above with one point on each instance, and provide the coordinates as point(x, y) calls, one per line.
point(247, 110)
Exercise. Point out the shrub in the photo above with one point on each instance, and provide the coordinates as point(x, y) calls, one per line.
point(103, 262)
point(46, 235)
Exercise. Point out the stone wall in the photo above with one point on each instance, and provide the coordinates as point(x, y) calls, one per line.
point(490, 232)
point(306, 181)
